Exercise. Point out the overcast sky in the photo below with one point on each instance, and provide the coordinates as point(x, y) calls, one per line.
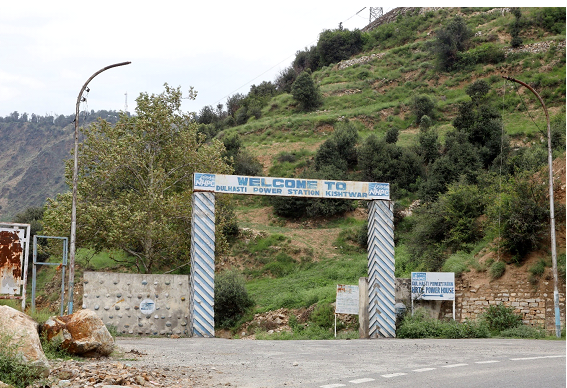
point(48, 49)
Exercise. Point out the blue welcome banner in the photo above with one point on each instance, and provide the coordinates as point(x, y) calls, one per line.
point(290, 187)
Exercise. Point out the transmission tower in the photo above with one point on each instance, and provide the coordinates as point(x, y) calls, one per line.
point(375, 13)
point(126, 102)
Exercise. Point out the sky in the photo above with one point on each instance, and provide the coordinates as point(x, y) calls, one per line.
point(48, 49)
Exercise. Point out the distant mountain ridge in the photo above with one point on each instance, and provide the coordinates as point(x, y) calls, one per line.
point(32, 166)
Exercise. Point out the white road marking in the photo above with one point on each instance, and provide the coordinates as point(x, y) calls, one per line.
point(423, 369)
point(394, 375)
point(360, 381)
point(367, 379)
point(486, 362)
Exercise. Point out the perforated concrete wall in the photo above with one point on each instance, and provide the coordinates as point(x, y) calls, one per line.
point(139, 304)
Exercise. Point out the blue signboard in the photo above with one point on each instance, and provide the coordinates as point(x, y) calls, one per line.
point(290, 187)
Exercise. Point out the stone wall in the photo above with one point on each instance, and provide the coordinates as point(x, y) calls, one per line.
point(533, 302)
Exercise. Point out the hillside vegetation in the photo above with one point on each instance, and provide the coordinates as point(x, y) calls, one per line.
point(418, 102)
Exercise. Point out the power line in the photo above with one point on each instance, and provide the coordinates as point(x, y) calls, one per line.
point(279, 63)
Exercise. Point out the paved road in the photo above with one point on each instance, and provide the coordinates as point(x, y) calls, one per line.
point(363, 363)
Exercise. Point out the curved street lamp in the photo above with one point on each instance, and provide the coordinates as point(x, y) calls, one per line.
point(551, 209)
point(75, 173)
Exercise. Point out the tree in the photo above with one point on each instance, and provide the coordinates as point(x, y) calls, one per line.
point(384, 162)
point(451, 40)
point(340, 149)
point(422, 106)
point(480, 120)
point(305, 92)
point(335, 45)
point(135, 183)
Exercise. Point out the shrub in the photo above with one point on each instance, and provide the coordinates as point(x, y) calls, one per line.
point(538, 268)
point(457, 263)
point(467, 329)
point(392, 135)
point(246, 164)
point(420, 325)
point(422, 106)
point(499, 317)
point(335, 45)
point(523, 331)
point(523, 212)
point(13, 369)
point(305, 92)
point(231, 299)
point(497, 269)
point(323, 315)
point(451, 39)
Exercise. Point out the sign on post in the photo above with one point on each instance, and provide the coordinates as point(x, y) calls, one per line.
point(346, 302)
point(347, 299)
point(433, 286)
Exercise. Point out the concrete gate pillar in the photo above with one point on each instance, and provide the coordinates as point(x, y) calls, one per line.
point(202, 316)
point(381, 278)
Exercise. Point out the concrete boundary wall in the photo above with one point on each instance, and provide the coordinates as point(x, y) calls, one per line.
point(143, 304)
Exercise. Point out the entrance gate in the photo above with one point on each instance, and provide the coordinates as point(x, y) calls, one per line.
point(381, 279)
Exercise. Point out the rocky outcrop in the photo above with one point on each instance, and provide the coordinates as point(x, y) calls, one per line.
point(20, 331)
point(81, 333)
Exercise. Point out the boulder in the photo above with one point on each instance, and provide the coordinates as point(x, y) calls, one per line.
point(82, 333)
point(20, 331)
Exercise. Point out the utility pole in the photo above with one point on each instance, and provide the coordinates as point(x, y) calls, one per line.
point(551, 210)
point(375, 13)
point(75, 174)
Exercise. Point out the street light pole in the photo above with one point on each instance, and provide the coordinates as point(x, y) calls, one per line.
point(75, 174)
point(551, 210)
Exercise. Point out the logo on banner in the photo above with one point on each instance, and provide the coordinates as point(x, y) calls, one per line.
point(379, 189)
point(204, 180)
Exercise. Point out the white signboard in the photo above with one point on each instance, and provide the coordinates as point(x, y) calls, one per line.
point(347, 299)
point(290, 187)
point(433, 285)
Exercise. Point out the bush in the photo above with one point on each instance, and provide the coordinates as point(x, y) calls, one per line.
point(451, 40)
point(231, 299)
point(523, 331)
point(335, 45)
point(422, 106)
point(13, 369)
point(499, 318)
point(305, 92)
point(323, 315)
point(497, 269)
point(523, 212)
point(420, 325)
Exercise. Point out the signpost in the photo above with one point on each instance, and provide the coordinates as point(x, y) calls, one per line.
point(346, 302)
point(433, 286)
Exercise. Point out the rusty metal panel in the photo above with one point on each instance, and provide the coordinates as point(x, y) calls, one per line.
point(11, 260)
